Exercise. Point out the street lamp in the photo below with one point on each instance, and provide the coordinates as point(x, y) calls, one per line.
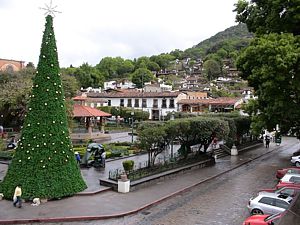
point(172, 118)
point(132, 114)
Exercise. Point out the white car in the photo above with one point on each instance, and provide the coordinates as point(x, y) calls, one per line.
point(269, 203)
point(291, 177)
point(296, 160)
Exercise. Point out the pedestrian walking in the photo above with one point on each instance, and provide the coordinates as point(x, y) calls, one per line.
point(103, 156)
point(17, 196)
point(214, 143)
point(267, 141)
point(77, 156)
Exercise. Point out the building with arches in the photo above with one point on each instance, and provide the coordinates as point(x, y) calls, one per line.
point(10, 65)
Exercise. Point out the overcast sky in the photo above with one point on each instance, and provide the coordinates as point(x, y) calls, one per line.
point(88, 30)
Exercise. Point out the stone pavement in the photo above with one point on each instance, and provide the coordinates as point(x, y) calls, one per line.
point(111, 204)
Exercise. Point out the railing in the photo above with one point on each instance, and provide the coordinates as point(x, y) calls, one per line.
point(162, 164)
point(225, 148)
point(138, 167)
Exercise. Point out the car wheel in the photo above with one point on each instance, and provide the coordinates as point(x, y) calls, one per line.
point(297, 164)
point(256, 212)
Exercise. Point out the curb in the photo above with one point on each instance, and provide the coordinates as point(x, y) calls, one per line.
point(92, 192)
point(103, 217)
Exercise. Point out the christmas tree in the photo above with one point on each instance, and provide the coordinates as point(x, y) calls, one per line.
point(44, 162)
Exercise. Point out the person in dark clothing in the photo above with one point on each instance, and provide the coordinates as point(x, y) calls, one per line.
point(267, 141)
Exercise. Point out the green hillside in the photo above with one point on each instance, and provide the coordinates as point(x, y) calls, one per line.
point(238, 32)
point(225, 44)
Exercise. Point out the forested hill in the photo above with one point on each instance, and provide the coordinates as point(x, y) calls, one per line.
point(225, 44)
point(238, 32)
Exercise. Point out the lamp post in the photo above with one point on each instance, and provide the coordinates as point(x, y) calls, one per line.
point(172, 118)
point(132, 114)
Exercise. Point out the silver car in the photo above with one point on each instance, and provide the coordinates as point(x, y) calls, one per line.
point(269, 203)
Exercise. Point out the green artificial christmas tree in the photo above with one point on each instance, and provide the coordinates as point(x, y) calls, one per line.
point(44, 161)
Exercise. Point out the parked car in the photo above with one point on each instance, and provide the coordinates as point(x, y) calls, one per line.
point(289, 180)
point(287, 184)
point(268, 203)
point(296, 160)
point(286, 190)
point(263, 219)
point(281, 172)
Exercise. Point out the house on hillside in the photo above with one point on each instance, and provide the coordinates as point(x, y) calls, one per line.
point(124, 84)
point(157, 88)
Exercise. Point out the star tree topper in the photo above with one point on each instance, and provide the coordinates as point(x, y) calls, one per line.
point(50, 9)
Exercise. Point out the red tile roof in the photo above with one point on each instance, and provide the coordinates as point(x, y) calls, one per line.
point(134, 94)
point(212, 101)
point(78, 98)
point(86, 111)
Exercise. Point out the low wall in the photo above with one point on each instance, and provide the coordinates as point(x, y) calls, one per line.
point(95, 136)
point(146, 181)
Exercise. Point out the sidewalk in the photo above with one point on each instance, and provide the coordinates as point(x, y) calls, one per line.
point(111, 204)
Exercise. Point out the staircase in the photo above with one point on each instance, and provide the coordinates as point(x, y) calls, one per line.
point(222, 151)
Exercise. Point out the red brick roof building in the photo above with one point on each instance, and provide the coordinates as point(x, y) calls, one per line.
point(11, 65)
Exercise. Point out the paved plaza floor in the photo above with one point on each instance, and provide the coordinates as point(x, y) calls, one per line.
point(109, 204)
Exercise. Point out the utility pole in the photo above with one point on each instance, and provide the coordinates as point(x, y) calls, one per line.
point(132, 114)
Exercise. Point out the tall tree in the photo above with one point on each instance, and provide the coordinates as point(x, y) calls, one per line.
point(89, 76)
point(271, 63)
point(269, 16)
point(44, 161)
point(141, 76)
point(212, 69)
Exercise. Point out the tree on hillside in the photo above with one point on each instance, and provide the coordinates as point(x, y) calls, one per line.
point(70, 85)
point(44, 161)
point(163, 60)
point(141, 76)
point(145, 62)
point(115, 68)
point(88, 76)
point(212, 69)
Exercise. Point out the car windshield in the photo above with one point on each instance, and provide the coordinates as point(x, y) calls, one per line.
point(292, 171)
point(271, 217)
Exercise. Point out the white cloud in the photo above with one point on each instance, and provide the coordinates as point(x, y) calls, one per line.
point(89, 30)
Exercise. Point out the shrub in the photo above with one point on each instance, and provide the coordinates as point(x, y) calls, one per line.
point(116, 153)
point(128, 165)
point(80, 150)
point(7, 155)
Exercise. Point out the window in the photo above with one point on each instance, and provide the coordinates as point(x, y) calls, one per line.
point(109, 102)
point(136, 102)
point(129, 103)
point(287, 191)
point(144, 103)
point(171, 103)
point(266, 200)
point(295, 180)
point(122, 102)
point(155, 103)
point(281, 204)
point(164, 103)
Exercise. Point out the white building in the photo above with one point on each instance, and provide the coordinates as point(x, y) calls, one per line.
point(157, 104)
point(125, 84)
